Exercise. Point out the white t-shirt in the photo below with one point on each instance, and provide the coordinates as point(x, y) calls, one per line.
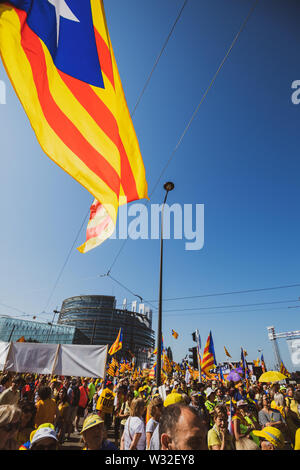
point(151, 425)
point(155, 439)
point(134, 425)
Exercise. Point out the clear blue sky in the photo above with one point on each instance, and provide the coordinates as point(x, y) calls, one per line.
point(240, 158)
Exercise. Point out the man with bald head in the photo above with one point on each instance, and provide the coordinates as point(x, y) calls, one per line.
point(181, 428)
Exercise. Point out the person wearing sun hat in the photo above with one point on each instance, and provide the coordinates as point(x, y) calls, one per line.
point(93, 434)
point(271, 438)
point(27, 445)
point(44, 438)
point(173, 398)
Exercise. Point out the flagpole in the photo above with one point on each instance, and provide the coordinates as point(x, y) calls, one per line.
point(168, 187)
point(199, 363)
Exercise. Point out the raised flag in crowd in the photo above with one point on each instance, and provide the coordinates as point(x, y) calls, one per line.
point(117, 345)
point(175, 334)
point(209, 358)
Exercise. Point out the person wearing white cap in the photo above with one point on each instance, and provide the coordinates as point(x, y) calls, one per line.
point(45, 438)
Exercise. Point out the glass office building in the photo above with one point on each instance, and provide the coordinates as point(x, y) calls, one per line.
point(97, 317)
point(12, 329)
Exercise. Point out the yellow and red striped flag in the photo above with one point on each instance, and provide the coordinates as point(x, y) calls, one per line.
point(21, 340)
point(61, 64)
point(226, 352)
point(208, 359)
point(175, 334)
point(283, 370)
point(117, 345)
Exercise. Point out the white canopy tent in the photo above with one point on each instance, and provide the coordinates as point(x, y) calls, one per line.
point(55, 359)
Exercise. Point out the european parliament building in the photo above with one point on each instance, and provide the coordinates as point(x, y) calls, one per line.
point(97, 317)
point(89, 319)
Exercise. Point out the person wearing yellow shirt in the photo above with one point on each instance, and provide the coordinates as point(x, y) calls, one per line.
point(297, 440)
point(218, 437)
point(46, 408)
point(105, 404)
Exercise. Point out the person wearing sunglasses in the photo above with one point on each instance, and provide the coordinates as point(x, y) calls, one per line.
point(10, 420)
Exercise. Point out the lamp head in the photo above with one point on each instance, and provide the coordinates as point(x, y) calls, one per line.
point(169, 186)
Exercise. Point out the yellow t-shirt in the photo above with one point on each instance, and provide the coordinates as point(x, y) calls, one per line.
point(105, 402)
point(63, 409)
point(297, 440)
point(45, 411)
point(214, 439)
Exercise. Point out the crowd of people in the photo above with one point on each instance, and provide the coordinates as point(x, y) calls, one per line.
point(41, 412)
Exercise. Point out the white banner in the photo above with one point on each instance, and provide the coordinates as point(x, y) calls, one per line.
point(294, 347)
point(4, 347)
point(31, 357)
point(55, 359)
point(81, 360)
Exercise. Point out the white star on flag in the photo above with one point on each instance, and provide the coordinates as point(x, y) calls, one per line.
point(62, 10)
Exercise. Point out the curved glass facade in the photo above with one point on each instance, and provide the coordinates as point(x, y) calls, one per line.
point(98, 319)
point(12, 329)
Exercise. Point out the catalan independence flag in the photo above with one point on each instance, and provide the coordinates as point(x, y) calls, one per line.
point(175, 334)
point(117, 344)
point(59, 58)
point(263, 364)
point(283, 370)
point(209, 358)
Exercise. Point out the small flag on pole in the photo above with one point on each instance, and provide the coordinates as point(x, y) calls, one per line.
point(284, 371)
point(208, 358)
point(117, 344)
point(21, 340)
point(226, 352)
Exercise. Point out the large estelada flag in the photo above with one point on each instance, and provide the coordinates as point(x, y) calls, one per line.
point(59, 58)
point(117, 344)
point(209, 359)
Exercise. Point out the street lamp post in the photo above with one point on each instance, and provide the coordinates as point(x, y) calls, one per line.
point(168, 187)
point(51, 324)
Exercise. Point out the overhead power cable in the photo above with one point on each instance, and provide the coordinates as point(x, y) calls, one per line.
point(66, 261)
point(231, 312)
point(158, 57)
point(247, 291)
point(231, 306)
point(193, 116)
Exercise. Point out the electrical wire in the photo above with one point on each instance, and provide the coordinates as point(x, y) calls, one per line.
point(229, 293)
point(193, 116)
point(158, 58)
point(66, 261)
point(231, 306)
